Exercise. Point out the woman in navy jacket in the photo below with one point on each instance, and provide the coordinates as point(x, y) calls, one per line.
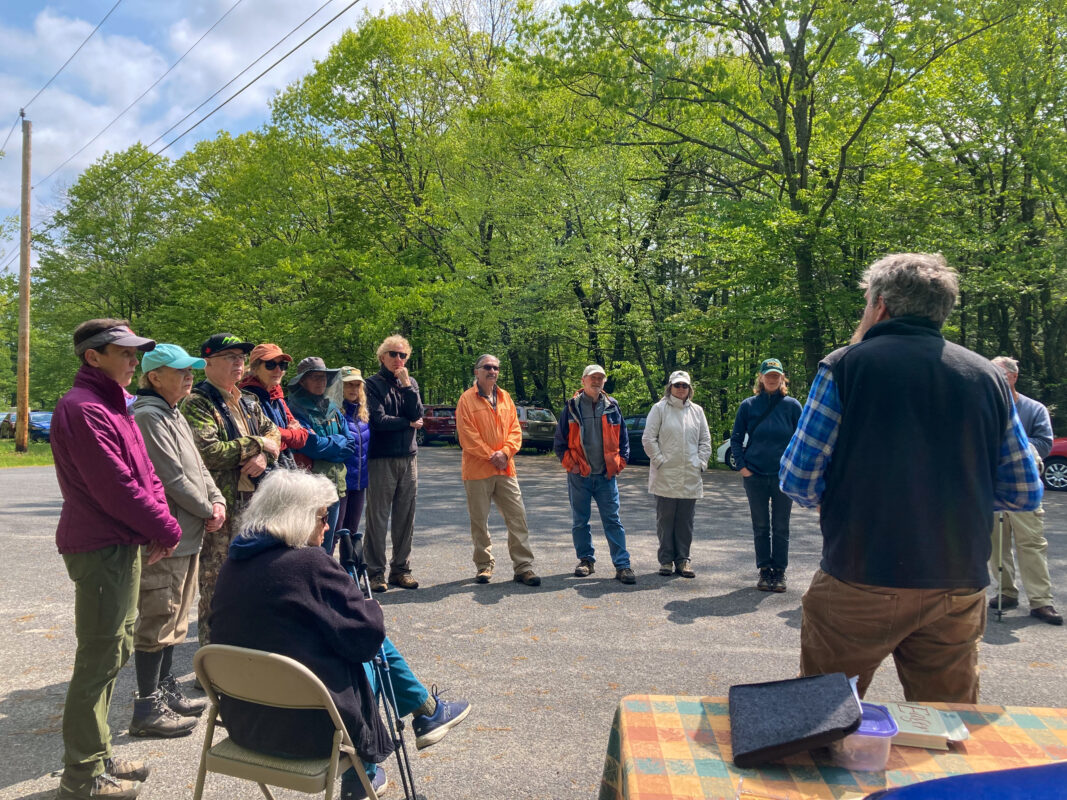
point(355, 411)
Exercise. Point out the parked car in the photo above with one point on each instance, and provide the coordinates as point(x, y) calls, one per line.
point(635, 428)
point(538, 427)
point(1055, 474)
point(40, 426)
point(725, 454)
point(438, 424)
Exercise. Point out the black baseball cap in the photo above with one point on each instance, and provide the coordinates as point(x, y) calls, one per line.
point(224, 341)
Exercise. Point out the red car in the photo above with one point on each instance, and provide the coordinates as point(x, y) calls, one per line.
point(1055, 473)
point(438, 424)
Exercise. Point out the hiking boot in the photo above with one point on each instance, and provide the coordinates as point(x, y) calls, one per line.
point(102, 785)
point(153, 717)
point(403, 580)
point(377, 582)
point(766, 579)
point(1005, 602)
point(778, 581)
point(584, 568)
point(178, 702)
point(626, 575)
point(431, 729)
point(484, 574)
point(1047, 614)
point(666, 569)
point(352, 787)
point(127, 770)
point(527, 577)
point(684, 569)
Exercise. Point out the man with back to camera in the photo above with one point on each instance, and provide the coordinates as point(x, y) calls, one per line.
point(1026, 527)
point(395, 410)
point(112, 504)
point(907, 443)
point(592, 444)
point(489, 433)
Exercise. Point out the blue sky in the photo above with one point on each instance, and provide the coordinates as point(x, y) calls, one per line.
point(136, 45)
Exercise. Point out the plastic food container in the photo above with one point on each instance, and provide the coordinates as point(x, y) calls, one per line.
point(867, 750)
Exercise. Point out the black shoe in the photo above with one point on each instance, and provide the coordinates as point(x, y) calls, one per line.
point(766, 579)
point(178, 702)
point(778, 581)
point(1047, 614)
point(625, 575)
point(152, 717)
point(1005, 602)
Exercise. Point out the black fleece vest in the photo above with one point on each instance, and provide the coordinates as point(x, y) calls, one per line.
point(909, 489)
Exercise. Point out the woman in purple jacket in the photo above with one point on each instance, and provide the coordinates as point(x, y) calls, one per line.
point(355, 411)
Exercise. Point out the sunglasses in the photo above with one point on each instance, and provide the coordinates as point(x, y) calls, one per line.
point(273, 365)
point(679, 385)
point(396, 354)
point(490, 367)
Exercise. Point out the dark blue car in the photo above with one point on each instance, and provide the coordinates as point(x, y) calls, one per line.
point(40, 426)
point(635, 428)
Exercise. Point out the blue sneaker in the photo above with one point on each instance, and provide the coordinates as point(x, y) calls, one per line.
point(352, 786)
point(432, 729)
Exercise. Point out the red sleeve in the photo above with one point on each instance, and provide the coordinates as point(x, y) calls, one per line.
point(292, 438)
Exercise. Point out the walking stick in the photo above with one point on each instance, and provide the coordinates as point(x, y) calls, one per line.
point(1000, 567)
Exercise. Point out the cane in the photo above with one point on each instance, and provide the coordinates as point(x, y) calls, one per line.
point(351, 557)
point(1000, 567)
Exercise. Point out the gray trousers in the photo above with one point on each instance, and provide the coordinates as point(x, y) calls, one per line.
point(391, 489)
point(674, 527)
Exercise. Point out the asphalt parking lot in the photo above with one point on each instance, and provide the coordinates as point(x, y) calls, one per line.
point(543, 667)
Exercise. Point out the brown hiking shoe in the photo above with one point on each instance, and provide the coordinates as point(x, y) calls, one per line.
point(377, 582)
point(403, 580)
point(584, 568)
point(102, 785)
point(484, 574)
point(528, 577)
point(127, 769)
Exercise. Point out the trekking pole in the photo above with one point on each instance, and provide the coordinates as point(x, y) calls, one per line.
point(1000, 567)
point(351, 557)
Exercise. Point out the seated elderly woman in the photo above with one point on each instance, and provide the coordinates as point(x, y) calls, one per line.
point(279, 591)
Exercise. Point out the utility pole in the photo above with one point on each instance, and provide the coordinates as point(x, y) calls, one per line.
point(22, 406)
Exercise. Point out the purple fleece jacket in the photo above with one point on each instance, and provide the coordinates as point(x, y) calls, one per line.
point(111, 494)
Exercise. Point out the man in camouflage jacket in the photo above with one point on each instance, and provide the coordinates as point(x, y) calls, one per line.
point(238, 443)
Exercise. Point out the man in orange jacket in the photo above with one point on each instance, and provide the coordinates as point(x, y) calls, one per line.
point(488, 430)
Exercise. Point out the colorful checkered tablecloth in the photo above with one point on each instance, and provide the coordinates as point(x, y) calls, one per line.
point(678, 748)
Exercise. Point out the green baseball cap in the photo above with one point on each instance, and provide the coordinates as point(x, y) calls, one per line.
point(169, 355)
point(771, 365)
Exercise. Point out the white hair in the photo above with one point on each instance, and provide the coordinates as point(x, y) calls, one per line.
point(1007, 363)
point(286, 504)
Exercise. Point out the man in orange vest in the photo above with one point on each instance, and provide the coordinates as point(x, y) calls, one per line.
point(592, 445)
point(489, 432)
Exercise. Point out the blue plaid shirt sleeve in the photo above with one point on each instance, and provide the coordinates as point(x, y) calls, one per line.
point(803, 466)
point(1018, 484)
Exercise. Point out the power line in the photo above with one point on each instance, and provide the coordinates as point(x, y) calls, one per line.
point(139, 98)
point(151, 157)
point(87, 38)
point(14, 125)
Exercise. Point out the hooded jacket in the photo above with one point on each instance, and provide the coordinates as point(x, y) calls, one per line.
point(678, 444)
point(567, 443)
point(330, 444)
point(191, 493)
point(357, 476)
point(299, 602)
point(111, 494)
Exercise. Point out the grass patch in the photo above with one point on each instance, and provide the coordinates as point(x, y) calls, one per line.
point(39, 455)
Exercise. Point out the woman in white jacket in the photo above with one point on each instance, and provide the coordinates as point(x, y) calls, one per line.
point(678, 445)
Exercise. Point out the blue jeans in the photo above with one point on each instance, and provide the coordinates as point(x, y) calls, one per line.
point(409, 690)
point(770, 509)
point(329, 538)
point(582, 491)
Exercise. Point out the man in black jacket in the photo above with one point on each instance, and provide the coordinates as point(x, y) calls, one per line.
point(395, 410)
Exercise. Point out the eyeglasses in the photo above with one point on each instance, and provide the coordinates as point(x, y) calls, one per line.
point(490, 367)
point(397, 354)
point(273, 365)
point(679, 385)
point(324, 518)
point(235, 358)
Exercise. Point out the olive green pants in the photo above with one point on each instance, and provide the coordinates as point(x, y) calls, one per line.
point(106, 583)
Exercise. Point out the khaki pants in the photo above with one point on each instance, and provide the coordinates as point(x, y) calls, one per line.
point(164, 602)
point(932, 635)
point(504, 489)
point(1031, 550)
point(105, 605)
